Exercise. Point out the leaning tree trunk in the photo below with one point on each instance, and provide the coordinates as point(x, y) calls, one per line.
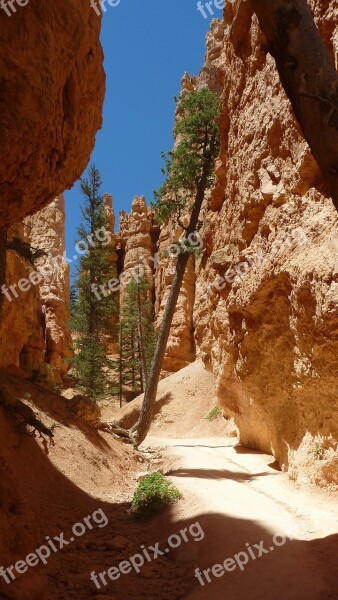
point(308, 75)
point(140, 430)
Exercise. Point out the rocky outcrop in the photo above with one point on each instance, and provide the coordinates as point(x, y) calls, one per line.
point(260, 305)
point(34, 323)
point(137, 241)
point(265, 311)
point(181, 348)
point(46, 230)
point(51, 95)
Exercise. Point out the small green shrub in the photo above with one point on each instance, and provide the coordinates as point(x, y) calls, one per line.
point(153, 494)
point(214, 413)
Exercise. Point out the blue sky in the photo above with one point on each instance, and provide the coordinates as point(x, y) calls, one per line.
point(148, 44)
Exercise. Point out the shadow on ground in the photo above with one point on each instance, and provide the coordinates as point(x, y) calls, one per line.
point(297, 569)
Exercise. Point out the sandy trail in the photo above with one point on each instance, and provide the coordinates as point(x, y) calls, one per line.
point(239, 498)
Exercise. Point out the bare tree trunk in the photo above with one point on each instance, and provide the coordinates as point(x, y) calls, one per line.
point(133, 359)
point(140, 430)
point(140, 363)
point(308, 75)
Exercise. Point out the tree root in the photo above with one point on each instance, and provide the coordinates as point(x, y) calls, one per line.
point(125, 435)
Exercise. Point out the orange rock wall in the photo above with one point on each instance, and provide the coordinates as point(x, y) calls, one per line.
point(51, 98)
point(34, 323)
point(269, 336)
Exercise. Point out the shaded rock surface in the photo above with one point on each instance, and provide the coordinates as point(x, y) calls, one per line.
point(50, 101)
point(34, 323)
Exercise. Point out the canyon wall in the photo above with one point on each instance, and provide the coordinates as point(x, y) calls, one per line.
point(51, 96)
point(262, 307)
point(266, 296)
point(35, 312)
point(181, 348)
point(142, 242)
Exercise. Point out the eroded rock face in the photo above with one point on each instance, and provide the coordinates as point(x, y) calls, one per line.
point(267, 332)
point(181, 349)
point(51, 95)
point(136, 241)
point(35, 314)
point(46, 230)
point(260, 306)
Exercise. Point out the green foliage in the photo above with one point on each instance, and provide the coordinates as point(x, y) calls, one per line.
point(73, 300)
point(26, 251)
point(92, 317)
point(137, 335)
point(153, 494)
point(190, 166)
point(214, 413)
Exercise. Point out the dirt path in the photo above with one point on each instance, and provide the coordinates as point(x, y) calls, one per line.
point(234, 501)
point(240, 500)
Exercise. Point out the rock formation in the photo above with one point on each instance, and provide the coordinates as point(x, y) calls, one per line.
point(180, 349)
point(137, 239)
point(50, 101)
point(265, 311)
point(34, 323)
point(260, 306)
point(181, 345)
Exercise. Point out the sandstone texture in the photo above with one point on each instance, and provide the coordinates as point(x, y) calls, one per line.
point(269, 332)
point(260, 306)
point(142, 243)
point(180, 349)
point(51, 95)
point(137, 239)
point(34, 323)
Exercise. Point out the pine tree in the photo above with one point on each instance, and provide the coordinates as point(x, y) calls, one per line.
point(137, 336)
point(189, 171)
point(92, 318)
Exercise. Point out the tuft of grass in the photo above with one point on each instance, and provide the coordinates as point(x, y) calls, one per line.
point(214, 413)
point(153, 494)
